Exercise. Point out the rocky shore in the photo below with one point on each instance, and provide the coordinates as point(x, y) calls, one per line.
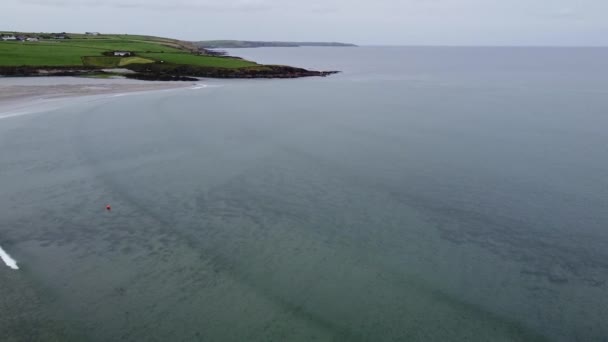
point(25, 71)
point(171, 72)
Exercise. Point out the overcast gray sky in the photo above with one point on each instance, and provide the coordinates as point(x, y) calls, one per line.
point(395, 22)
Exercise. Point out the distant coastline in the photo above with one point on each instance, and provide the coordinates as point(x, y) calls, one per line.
point(237, 44)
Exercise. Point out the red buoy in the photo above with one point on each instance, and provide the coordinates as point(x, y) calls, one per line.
point(108, 208)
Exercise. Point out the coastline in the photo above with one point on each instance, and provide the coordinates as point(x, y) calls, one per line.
point(145, 58)
point(25, 95)
point(168, 71)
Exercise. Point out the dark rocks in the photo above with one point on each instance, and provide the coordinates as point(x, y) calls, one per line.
point(46, 71)
point(173, 72)
point(159, 77)
point(261, 71)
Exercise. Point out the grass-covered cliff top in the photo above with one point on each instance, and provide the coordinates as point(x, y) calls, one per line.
point(88, 50)
point(148, 57)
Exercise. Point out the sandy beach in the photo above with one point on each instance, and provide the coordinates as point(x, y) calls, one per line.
point(20, 94)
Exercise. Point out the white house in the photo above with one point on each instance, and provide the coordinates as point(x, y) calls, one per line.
point(32, 39)
point(122, 53)
point(9, 38)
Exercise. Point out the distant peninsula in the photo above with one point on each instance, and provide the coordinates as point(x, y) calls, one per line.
point(132, 56)
point(235, 44)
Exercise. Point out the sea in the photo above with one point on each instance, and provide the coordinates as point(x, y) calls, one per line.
point(422, 194)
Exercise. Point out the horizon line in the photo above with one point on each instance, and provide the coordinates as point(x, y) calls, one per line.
point(538, 45)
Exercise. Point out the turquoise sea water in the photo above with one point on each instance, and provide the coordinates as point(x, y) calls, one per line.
point(424, 194)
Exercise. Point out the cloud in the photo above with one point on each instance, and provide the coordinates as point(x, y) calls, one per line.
point(310, 6)
point(564, 12)
point(442, 22)
point(203, 5)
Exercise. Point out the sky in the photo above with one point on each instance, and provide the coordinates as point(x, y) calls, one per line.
point(364, 22)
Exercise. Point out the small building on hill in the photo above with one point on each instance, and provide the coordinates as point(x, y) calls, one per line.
point(92, 33)
point(122, 53)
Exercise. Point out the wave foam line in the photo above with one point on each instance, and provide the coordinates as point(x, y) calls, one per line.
point(199, 86)
point(13, 114)
point(10, 262)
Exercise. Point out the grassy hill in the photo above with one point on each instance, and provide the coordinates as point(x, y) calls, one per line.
point(82, 50)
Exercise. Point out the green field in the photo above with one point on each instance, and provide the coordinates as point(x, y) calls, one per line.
point(84, 50)
point(43, 54)
point(208, 61)
point(113, 62)
point(134, 60)
point(101, 61)
point(120, 44)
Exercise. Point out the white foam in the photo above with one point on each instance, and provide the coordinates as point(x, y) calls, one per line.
point(199, 86)
point(36, 106)
point(10, 115)
point(10, 262)
point(33, 106)
point(204, 86)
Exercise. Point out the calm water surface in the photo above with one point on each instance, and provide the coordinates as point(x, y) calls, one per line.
point(424, 194)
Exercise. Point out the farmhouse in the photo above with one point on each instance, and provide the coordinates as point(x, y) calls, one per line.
point(122, 53)
point(11, 37)
point(32, 39)
point(92, 33)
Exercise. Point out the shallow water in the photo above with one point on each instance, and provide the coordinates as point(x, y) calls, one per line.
point(424, 194)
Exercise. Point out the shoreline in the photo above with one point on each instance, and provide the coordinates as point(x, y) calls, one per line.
point(168, 72)
point(27, 95)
